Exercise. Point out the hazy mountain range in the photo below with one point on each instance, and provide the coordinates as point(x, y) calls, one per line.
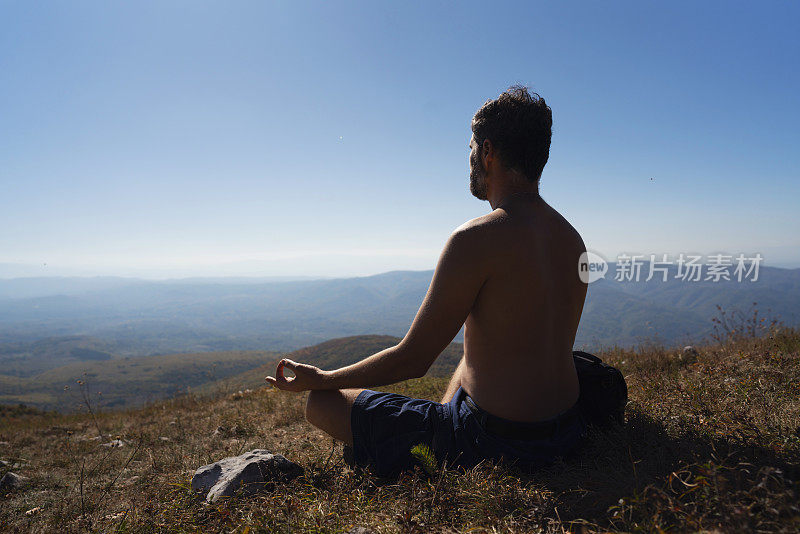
point(48, 322)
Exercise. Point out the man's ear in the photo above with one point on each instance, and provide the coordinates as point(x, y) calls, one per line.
point(487, 153)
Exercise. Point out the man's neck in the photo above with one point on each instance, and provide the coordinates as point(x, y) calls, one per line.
point(501, 196)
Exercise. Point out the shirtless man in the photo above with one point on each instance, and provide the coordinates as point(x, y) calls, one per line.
point(511, 277)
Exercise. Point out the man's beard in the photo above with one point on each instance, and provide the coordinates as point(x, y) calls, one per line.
point(477, 177)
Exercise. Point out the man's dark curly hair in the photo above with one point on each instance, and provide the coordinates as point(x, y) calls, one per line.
point(519, 125)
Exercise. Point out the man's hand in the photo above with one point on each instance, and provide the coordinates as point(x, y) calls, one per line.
point(305, 377)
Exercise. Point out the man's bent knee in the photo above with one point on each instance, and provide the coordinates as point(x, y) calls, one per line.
point(315, 405)
point(329, 410)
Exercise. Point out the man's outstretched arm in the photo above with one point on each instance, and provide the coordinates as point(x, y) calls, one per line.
point(459, 276)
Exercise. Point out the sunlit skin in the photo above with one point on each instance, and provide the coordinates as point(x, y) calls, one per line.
point(511, 278)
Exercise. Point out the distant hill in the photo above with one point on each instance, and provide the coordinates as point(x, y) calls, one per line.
point(333, 354)
point(28, 358)
point(672, 312)
point(125, 382)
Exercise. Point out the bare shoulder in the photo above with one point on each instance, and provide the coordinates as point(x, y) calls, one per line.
point(483, 225)
point(478, 233)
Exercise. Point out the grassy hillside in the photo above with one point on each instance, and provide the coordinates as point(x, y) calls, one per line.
point(711, 443)
point(333, 354)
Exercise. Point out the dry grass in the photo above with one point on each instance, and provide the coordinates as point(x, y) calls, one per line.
point(712, 443)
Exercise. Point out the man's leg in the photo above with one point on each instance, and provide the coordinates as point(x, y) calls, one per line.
point(329, 410)
point(455, 383)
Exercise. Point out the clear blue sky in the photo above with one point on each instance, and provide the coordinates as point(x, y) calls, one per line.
point(328, 138)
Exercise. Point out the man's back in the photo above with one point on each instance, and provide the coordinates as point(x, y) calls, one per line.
point(520, 331)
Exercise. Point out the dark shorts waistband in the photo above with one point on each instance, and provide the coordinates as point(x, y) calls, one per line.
point(505, 428)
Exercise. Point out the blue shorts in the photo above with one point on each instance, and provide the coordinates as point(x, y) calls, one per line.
point(386, 426)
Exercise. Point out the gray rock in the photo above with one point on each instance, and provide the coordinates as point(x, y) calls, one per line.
point(689, 354)
point(249, 472)
point(12, 481)
point(360, 530)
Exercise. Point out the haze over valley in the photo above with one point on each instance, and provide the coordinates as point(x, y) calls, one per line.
point(139, 340)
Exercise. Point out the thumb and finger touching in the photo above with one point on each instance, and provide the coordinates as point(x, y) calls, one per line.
point(280, 380)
